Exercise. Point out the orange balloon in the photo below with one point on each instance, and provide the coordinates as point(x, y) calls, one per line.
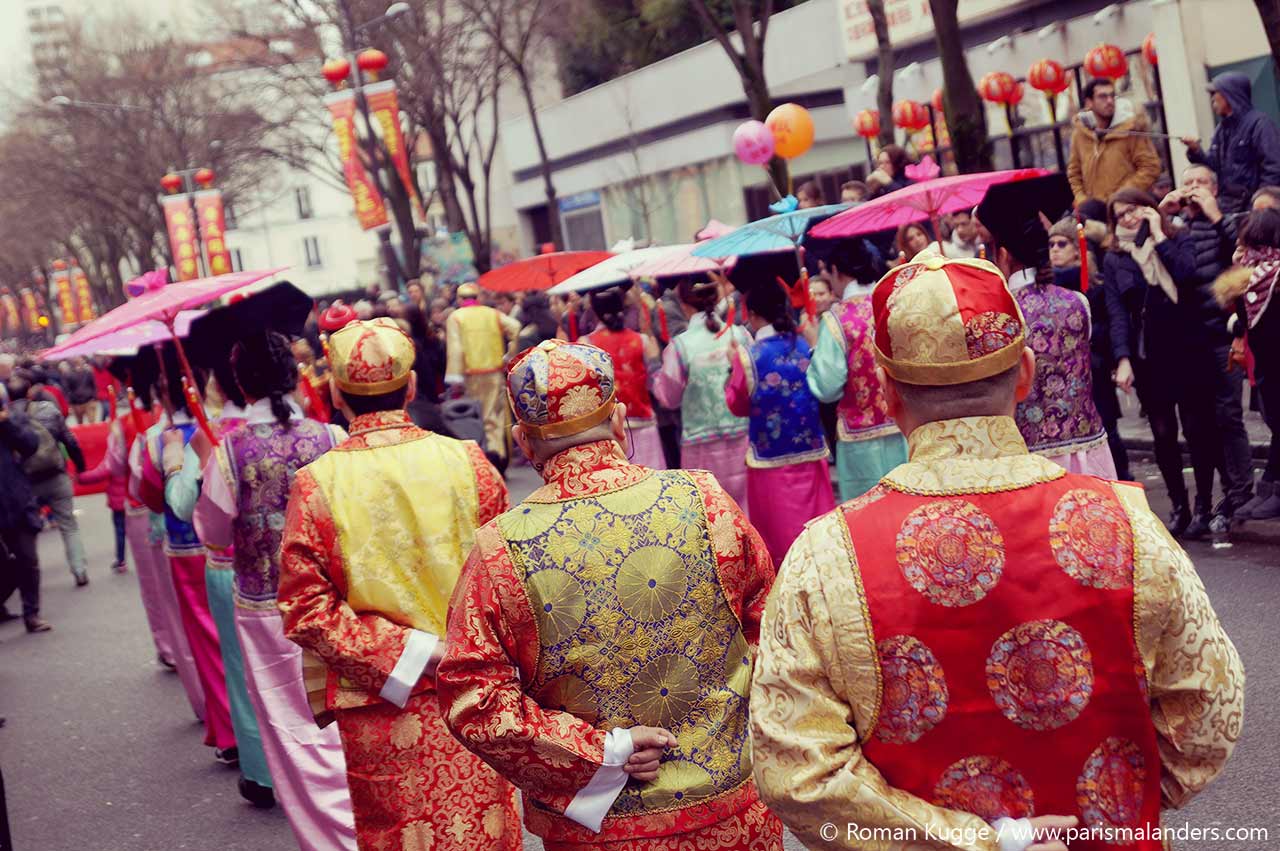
point(792, 129)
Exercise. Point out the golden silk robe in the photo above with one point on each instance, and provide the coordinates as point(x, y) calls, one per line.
point(831, 696)
point(375, 536)
point(478, 341)
point(615, 596)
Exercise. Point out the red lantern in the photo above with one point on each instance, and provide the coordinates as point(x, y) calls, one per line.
point(171, 182)
point(937, 101)
point(1048, 76)
point(372, 61)
point(1149, 49)
point(910, 115)
point(997, 87)
point(1106, 61)
point(336, 70)
point(204, 176)
point(1016, 97)
point(867, 123)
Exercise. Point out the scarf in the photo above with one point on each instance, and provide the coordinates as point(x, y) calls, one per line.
point(1264, 266)
point(1148, 261)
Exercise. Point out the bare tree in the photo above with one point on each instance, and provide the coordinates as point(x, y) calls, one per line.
point(884, 69)
point(966, 115)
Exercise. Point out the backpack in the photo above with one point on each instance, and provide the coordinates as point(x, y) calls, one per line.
point(47, 460)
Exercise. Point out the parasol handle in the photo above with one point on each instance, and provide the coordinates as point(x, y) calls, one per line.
point(197, 410)
point(135, 415)
point(111, 399)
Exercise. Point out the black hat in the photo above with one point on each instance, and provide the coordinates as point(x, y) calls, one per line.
point(281, 307)
point(1011, 211)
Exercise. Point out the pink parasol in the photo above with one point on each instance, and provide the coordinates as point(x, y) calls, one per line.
point(713, 229)
point(678, 260)
point(541, 272)
point(918, 202)
point(130, 339)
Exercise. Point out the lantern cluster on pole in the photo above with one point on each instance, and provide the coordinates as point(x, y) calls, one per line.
point(910, 115)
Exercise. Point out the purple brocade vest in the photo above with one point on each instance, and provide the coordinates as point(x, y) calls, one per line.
point(263, 459)
point(1058, 416)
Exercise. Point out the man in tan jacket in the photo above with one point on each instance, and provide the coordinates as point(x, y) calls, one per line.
point(1105, 155)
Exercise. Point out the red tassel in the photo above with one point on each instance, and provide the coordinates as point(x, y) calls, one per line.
point(729, 318)
point(573, 327)
point(1083, 247)
point(111, 400)
point(197, 410)
point(662, 325)
point(139, 425)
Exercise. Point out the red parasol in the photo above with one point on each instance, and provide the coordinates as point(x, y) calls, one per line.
point(542, 272)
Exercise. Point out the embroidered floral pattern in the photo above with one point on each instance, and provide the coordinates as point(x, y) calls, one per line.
point(989, 332)
point(986, 786)
point(863, 406)
point(1040, 674)
point(785, 420)
point(915, 690)
point(1092, 540)
point(1109, 791)
point(951, 552)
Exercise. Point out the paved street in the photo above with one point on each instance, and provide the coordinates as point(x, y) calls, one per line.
point(100, 752)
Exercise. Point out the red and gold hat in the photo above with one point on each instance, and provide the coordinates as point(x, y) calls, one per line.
point(337, 316)
point(941, 321)
point(558, 388)
point(371, 357)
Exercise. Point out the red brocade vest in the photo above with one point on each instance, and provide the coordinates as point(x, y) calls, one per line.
point(1004, 625)
point(627, 350)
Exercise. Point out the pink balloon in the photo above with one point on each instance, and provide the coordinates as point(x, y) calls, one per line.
point(753, 143)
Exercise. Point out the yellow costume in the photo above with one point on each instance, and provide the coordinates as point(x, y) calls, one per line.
point(479, 340)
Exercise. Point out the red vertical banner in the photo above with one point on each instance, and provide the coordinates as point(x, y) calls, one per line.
point(182, 236)
point(83, 295)
point(30, 310)
point(64, 297)
point(213, 230)
point(385, 107)
point(9, 316)
point(370, 211)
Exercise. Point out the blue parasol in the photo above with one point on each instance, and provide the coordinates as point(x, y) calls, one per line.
point(783, 232)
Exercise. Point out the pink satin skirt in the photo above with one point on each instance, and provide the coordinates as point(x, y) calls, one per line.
point(726, 459)
point(202, 635)
point(308, 769)
point(783, 499)
point(1090, 462)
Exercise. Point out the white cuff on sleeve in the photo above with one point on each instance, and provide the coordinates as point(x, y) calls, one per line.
point(589, 807)
point(1014, 834)
point(455, 378)
point(408, 670)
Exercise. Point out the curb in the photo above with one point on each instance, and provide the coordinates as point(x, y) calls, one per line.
point(1258, 451)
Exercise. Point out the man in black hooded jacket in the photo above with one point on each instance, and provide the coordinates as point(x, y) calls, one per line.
point(1245, 151)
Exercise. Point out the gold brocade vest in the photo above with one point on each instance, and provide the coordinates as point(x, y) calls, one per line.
point(635, 629)
point(405, 516)
point(483, 343)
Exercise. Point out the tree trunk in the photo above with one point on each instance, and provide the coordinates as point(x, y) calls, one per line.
point(553, 206)
point(1269, 11)
point(884, 70)
point(966, 115)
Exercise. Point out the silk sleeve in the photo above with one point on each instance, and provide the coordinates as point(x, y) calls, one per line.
point(492, 649)
point(215, 510)
point(491, 489)
point(362, 648)
point(737, 393)
point(181, 481)
point(669, 383)
point(1194, 675)
point(455, 359)
point(829, 367)
point(743, 561)
point(816, 684)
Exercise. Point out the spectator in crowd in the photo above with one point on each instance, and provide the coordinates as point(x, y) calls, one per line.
point(1248, 291)
point(47, 471)
point(1266, 198)
point(19, 517)
point(810, 195)
point(539, 323)
point(891, 171)
point(910, 241)
point(7, 364)
point(82, 392)
point(107, 384)
point(963, 241)
point(853, 192)
point(1163, 185)
point(1209, 343)
point(1245, 150)
point(1105, 156)
point(1064, 256)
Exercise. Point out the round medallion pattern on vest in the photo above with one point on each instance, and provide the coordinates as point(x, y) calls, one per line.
point(570, 693)
point(562, 605)
point(951, 552)
point(1091, 540)
point(664, 691)
point(1040, 674)
point(915, 690)
point(679, 782)
point(651, 583)
point(737, 665)
point(1110, 788)
point(986, 786)
point(633, 500)
point(526, 522)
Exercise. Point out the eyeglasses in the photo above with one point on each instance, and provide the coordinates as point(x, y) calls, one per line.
point(1059, 243)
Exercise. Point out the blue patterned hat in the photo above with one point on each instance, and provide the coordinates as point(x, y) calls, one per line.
point(559, 388)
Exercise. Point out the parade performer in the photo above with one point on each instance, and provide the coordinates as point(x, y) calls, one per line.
point(692, 378)
point(242, 504)
point(984, 635)
point(788, 478)
point(375, 537)
point(1058, 419)
point(479, 340)
point(187, 565)
point(635, 358)
point(601, 638)
point(183, 465)
point(843, 368)
point(313, 379)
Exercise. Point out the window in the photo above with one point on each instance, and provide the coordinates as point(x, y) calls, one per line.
point(237, 260)
point(303, 196)
point(229, 213)
point(311, 245)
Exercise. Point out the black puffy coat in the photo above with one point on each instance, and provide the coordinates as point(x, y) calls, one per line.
point(17, 505)
point(1212, 244)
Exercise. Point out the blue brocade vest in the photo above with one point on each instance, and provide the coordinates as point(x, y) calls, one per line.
point(786, 426)
point(180, 536)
